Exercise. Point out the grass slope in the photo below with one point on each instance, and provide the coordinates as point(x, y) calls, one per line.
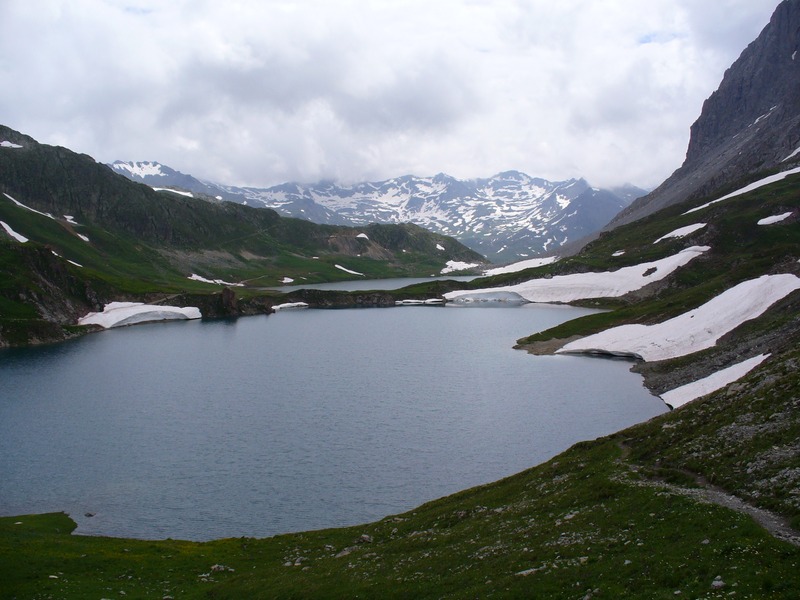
point(119, 240)
point(740, 250)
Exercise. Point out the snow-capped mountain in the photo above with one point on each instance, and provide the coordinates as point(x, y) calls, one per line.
point(505, 217)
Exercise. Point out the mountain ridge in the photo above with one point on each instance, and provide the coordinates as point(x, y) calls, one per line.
point(505, 217)
point(76, 236)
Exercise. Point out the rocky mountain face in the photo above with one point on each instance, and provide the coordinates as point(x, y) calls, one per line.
point(505, 217)
point(750, 124)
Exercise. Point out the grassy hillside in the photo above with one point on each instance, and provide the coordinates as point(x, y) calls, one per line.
point(115, 239)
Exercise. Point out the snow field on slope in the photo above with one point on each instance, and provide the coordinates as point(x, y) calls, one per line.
point(774, 219)
point(579, 286)
point(716, 381)
point(748, 188)
point(681, 232)
point(17, 236)
point(692, 331)
point(521, 265)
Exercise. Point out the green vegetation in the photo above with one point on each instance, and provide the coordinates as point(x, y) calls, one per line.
point(740, 250)
point(96, 237)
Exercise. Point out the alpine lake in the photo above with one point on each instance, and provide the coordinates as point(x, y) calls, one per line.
point(300, 420)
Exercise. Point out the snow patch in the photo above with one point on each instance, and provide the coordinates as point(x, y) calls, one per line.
point(119, 314)
point(7, 144)
point(83, 237)
point(290, 306)
point(412, 302)
point(578, 286)
point(287, 280)
point(692, 331)
point(681, 232)
point(455, 265)
point(774, 219)
point(618, 253)
point(522, 265)
point(196, 277)
point(33, 210)
point(71, 220)
point(141, 169)
point(17, 236)
point(716, 381)
point(363, 236)
point(439, 247)
point(792, 155)
point(349, 271)
point(180, 192)
point(749, 188)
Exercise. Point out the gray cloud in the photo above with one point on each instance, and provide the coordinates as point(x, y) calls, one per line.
point(259, 92)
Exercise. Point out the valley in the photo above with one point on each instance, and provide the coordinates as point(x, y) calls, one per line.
point(695, 286)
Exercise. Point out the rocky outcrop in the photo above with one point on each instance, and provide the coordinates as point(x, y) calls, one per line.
point(749, 125)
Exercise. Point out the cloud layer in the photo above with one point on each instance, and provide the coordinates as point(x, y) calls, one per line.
point(261, 92)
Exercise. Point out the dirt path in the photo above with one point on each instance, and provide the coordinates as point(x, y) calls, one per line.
point(775, 524)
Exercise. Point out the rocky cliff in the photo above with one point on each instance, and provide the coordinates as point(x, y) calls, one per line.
point(750, 124)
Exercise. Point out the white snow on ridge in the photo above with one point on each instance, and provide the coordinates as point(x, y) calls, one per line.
point(439, 247)
point(567, 288)
point(7, 144)
point(17, 236)
point(349, 271)
point(21, 205)
point(141, 169)
point(774, 219)
point(749, 188)
point(118, 314)
point(522, 265)
point(363, 236)
point(196, 277)
point(792, 155)
point(455, 265)
point(180, 192)
point(716, 381)
point(681, 232)
point(692, 331)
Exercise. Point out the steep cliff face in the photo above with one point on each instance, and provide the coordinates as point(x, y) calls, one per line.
point(751, 123)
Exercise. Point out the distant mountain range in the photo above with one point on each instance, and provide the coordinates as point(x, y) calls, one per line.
point(505, 217)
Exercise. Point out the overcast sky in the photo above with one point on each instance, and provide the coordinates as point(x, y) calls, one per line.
point(259, 92)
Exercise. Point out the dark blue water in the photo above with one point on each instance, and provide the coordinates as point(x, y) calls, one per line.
point(294, 421)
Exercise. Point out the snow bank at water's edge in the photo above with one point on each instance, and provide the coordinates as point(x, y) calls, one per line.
point(118, 314)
